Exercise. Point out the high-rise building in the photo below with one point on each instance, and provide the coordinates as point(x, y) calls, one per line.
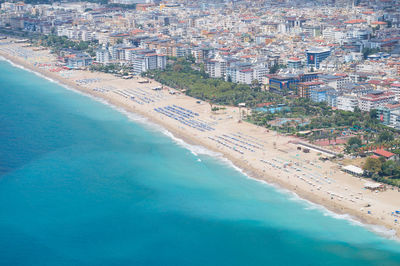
point(316, 55)
point(375, 99)
point(347, 102)
point(102, 56)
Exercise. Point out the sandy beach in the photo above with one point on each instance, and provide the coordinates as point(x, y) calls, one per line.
point(262, 154)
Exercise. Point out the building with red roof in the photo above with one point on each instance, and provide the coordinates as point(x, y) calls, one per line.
point(375, 100)
point(384, 153)
point(379, 23)
point(304, 88)
point(355, 21)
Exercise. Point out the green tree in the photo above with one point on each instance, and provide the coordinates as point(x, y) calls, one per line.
point(274, 69)
point(354, 141)
point(385, 136)
point(255, 83)
point(373, 114)
point(178, 67)
point(191, 58)
point(389, 168)
point(353, 145)
point(372, 165)
point(368, 51)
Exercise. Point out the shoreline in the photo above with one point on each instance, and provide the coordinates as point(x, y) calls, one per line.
point(243, 163)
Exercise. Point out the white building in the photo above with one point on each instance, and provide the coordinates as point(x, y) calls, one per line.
point(102, 56)
point(347, 102)
point(87, 36)
point(247, 72)
point(142, 62)
point(245, 76)
point(260, 73)
point(375, 99)
point(337, 81)
point(395, 88)
point(161, 61)
point(216, 68)
point(395, 119)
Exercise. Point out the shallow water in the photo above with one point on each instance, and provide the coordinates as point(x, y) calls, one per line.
point(82, 184)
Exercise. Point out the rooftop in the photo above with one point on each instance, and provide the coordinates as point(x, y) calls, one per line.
point(384, 153)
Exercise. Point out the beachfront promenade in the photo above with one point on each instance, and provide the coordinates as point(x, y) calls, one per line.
point(263, 154)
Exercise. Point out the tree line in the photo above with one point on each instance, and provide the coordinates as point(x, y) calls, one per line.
point(198, 84)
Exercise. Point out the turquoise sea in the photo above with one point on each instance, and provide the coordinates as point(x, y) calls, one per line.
point(83, 184)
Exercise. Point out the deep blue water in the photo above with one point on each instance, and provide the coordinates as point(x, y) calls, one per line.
point(81, 184)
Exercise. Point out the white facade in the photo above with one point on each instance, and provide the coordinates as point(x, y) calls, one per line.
point(102, 56)
point(245, 76)
point(144, 62)
point(216, 68)
point(337, 83)
point(260, 73)
point(373, 101)
point(161, 61)
point(347, 102)
point(87, 36)
point(395, 119)
point(395, 88)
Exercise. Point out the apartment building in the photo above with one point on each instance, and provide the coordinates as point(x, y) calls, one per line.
point(103, 56)
point(347, 102)
point(142, 62)
point(375, 99)
point(385, 114)
point(395, 88)
point(304, 88)
point(316, 55)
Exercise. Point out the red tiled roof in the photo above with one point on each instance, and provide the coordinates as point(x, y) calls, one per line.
point(374, 81)
point(391, 39)
point(379, 23)
point(355, 21)
point(392, 106)
point(384, 153)
point(377, 97)
point(265, 104)
point(136, 31)
point(247, 56)
point(250, 18)
point(311, 83)
point(341, 75)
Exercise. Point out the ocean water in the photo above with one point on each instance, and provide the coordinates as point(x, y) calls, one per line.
point(83, 184)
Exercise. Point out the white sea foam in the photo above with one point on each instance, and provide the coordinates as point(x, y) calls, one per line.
point(194, 149)
point(132, 116)
point(381, 230)
point(197, 150)
point(201, 150)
